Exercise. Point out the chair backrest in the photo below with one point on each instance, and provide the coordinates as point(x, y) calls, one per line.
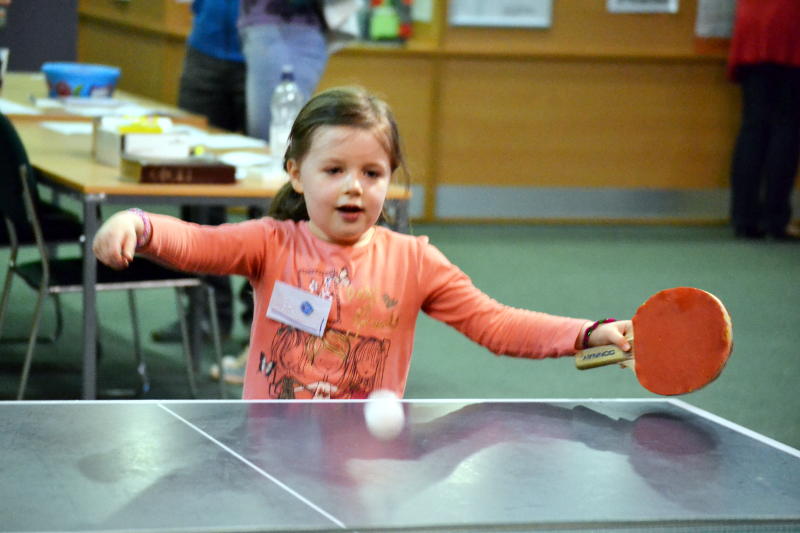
point(12, 156)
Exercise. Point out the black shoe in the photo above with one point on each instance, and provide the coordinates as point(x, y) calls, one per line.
point(172, 333)
point(749, 233)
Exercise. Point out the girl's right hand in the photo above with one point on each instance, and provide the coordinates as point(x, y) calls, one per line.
point(115, 242)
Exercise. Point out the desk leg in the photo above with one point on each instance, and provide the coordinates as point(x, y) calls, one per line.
point(197, 305)
point(90, 222)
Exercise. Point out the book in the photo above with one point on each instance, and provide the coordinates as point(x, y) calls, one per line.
point(189, 170)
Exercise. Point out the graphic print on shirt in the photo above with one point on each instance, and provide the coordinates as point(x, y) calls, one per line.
point(349, 360)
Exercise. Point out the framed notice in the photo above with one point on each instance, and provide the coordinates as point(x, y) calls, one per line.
point(715, 19)
point(642, 6)
point(501, 13)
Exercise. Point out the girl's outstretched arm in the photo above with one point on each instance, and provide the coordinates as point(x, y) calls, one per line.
point(116, 240)
point(184, 246)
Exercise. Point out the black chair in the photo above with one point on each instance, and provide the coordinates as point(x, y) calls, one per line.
point(51, 277)
point(59, 226)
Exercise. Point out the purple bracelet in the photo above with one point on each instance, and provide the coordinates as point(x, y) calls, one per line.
point(148, 228)
point(593, 327)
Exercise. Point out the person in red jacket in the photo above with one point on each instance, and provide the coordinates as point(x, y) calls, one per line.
point(765, 60)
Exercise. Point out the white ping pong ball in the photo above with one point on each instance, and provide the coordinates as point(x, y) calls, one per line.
point(384, 414)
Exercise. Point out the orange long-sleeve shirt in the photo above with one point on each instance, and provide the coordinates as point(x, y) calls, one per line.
point(376, 290)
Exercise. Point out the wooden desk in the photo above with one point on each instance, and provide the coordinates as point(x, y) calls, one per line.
point(66, 161)
point(65, 164)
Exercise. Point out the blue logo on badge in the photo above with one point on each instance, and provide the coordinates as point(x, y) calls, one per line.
point(306, 308)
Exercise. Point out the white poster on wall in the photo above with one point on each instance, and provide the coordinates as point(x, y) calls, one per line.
point(642, 6)
point(502, 13)
point(422, 10)
point(715, 18)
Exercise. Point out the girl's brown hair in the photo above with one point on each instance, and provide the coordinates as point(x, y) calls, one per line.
point(339, 106)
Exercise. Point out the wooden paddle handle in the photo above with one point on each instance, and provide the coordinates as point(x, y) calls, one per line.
point(601, 356)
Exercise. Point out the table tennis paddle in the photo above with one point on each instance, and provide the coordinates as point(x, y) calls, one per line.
point(683, 337)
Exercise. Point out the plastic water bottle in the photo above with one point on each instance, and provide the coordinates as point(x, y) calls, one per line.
point(287, 100)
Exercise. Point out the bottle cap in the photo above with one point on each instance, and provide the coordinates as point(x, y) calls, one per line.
point(287, 73)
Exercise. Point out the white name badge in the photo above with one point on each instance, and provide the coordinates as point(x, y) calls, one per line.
point(298, 308)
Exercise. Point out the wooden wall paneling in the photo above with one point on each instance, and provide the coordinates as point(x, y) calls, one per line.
point(173, 66)
point(146, 39)
point(162, 16)
point(585, 28)
point(598, 100)
point(585, 123)
point(150, 62)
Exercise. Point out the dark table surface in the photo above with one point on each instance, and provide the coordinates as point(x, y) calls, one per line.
point(458, 465)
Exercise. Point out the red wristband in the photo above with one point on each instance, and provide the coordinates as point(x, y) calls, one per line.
point(593, 327)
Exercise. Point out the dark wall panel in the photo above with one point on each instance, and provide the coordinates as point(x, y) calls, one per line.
point(40, 30)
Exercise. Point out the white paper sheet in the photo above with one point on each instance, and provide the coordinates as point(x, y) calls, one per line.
point(68, 128)
point(7, 107)
point(232, 140)
point(86, 110)
point(246, 159)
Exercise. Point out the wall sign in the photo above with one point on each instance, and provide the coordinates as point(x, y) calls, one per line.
point(501, 13)
point(715, 19)
point(642, 6)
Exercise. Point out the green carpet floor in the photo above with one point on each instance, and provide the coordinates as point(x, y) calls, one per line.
point(584, 271)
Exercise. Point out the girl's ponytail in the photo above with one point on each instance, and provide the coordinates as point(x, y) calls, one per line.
point(288, 204)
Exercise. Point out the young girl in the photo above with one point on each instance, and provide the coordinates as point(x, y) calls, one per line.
point(337, 296)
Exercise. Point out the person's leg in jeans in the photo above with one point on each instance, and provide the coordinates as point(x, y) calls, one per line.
point(267, 48)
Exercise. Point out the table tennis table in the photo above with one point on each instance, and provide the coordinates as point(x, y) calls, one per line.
point(458, 465)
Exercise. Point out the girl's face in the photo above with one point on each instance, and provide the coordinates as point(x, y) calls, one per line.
point(344, 178)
